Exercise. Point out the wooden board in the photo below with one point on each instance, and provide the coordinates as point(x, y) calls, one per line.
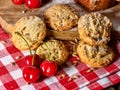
point(11, 13)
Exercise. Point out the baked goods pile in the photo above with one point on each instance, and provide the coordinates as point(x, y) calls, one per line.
point(94, 30)
point(33, 29)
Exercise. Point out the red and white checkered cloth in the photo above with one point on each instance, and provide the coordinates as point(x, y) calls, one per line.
point(11, 75)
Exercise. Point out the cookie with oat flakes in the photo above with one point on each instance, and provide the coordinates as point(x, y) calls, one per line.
point(94, 28)
point(61, 17)
point(53, 50)
point(95, 56)
point(32, 28)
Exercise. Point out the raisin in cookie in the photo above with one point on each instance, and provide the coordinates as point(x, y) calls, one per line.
point(61, 17)
point(53, 50)
point(32, 28)
point(94, 28)
point(95, 56)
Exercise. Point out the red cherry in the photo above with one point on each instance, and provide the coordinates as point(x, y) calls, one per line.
point(29, 60)
point(31, 74)
point(33, 3)
point(48, 68)
point(18, 2)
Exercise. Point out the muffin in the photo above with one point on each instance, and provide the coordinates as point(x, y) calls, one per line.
point(32, 29)
point(94, 28)
point(61, 17)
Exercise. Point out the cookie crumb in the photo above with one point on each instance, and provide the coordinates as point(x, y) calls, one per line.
point(72, 42)
point(75, 63)
point(70, 79)
point(12, 63)
point(28, 83)
point(89, 70)
point(62, 76)
point(24, 11)
point(17, 57)
point(76, 41)
point(75, 76)
point(4, 42)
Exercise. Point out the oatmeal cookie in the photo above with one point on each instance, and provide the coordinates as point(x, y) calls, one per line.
point(95, 56)
point(94, 28)
point(53, 50)
point(61, 17)
point(32, 28)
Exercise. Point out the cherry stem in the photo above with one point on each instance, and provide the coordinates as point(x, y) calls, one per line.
point(25, 41)
point(33, 58)
point(29, 47)
point(35, 52)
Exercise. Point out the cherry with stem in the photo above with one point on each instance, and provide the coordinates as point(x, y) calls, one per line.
point(48, 67)
point(32, 59)
point(30, 73)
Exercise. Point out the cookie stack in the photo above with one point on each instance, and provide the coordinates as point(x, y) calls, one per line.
point(94, 31)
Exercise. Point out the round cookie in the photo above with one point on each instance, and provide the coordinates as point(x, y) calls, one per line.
point(61, 17)
point(53, 50)
point(94, 28)
point(32, 28)
point(95, 56)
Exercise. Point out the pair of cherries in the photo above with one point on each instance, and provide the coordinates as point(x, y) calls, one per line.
point(34, 67)
point(29, 3)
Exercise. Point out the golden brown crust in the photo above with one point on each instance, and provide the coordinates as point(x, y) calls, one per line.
point(94, 28)
point(95, 56)
point(32, 28)
point(53, 50)
point(61, 17)
point(96, 5)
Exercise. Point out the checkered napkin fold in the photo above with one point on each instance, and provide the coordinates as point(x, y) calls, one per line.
point(68, 77)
